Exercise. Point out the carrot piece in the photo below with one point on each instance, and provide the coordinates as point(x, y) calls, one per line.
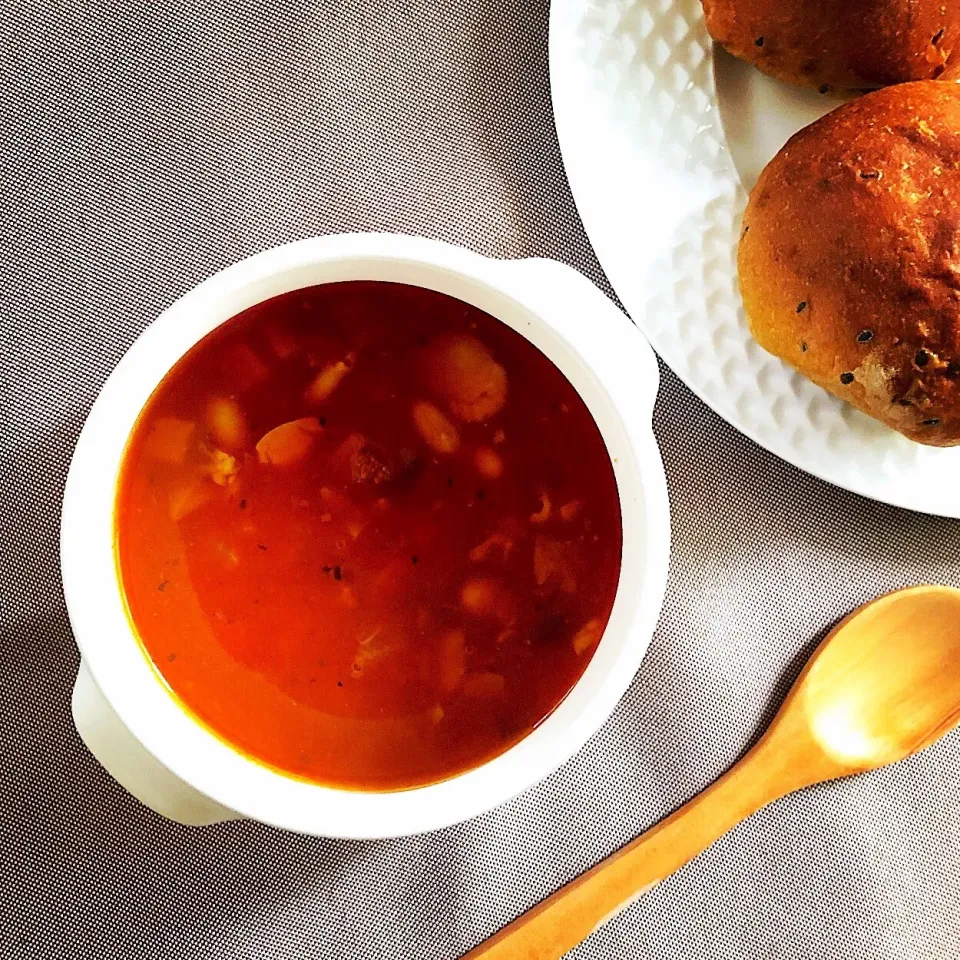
point(587, 636)
point(169, 440)
point(327, 380)
point(488, 463)
point(289, 442)
point(480, 595)
point(435, 428)
point(226, 423)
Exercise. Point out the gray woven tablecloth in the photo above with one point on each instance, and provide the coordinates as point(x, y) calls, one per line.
point(145, 144)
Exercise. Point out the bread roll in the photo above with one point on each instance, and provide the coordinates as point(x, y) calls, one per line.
point(850, 257)
point(851, 44)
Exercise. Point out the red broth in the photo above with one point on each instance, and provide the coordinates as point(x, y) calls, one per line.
point(368, 534)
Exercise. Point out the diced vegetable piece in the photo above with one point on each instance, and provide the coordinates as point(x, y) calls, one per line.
point(246, 368)
point(169, 440)
point(488, 463)
point(358, 460)
point(453, 660)
point(289, 442)
point(371, 648)
point(220, 467)
point(495, 543)
point(282, 342)
point(570, 509)
point(370, 465)
point(435, 714)
point(227, 425)
point(327, 380)
point(189, 496)
point(435, 427)
point(546, 509)
point(480, 595)
point(555, 560)
point(228, 556)
point(462, 370)
point(482, 685)
point(587, 636)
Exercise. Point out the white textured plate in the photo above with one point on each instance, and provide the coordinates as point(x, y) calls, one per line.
point(661, 139)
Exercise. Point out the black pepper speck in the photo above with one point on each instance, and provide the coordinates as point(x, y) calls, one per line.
point(801, 306)
point(864, 336)
point(932, 422)
point(846, 378)
point(921, 358)
point(759, 41)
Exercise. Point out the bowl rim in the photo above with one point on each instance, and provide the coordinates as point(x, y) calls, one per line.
point(607, 358)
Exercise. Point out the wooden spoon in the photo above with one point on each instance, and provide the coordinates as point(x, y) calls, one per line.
point(883, 685)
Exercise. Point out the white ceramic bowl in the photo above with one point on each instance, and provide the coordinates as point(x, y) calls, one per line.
point(128, 717)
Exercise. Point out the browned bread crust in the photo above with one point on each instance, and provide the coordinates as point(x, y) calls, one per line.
point(852, 44)
point(850, 257)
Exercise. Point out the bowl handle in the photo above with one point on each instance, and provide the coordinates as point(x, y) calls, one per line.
point(590, 314)
point(132, 765)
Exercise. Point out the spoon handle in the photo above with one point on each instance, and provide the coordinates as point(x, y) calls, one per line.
point(559, 923)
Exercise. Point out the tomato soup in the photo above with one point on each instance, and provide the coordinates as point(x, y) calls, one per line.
point(368, 534)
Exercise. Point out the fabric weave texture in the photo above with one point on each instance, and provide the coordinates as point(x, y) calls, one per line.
point(145, 145)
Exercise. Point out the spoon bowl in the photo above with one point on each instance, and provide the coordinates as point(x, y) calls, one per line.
point(884, 684)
